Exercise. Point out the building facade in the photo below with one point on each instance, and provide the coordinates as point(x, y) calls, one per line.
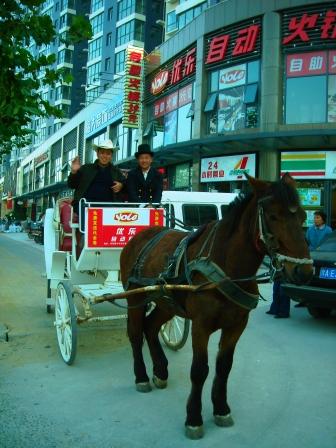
point(245, 86)
point(248, 86)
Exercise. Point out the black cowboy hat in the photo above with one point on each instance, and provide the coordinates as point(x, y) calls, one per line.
point(144, 148)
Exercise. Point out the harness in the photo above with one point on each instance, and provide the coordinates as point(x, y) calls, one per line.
point(175, 274)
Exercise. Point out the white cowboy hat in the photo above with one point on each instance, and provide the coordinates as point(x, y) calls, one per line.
point(106, 144)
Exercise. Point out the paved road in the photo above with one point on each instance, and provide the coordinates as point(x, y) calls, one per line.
point(282, 387)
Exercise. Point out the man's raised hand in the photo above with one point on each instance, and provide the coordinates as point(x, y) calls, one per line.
point(75, 165)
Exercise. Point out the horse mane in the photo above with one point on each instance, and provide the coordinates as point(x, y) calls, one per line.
point(280, 191)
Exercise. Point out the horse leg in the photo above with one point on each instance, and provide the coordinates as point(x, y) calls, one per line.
point(227, 344)
point(135, 328)
point(153, 323)
point(198, 374)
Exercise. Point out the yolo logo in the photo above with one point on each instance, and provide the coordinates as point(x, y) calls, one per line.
point(159, 82)
point(126, 216)
point(232, 77)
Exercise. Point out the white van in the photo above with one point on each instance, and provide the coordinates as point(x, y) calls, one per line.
point(195, 208)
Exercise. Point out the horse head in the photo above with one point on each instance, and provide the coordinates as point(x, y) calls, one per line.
point(279, 221)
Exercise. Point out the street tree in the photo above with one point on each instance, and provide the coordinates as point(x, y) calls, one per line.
point(22, 74)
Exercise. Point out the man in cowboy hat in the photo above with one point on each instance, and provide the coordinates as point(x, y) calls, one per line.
point(100, 181)
point(144, 183)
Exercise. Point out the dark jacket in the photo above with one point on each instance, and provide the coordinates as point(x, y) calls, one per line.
point(141, 190)
point(81, 180)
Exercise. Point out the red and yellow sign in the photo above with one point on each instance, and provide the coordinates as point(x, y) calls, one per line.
point(133, 87)
point(114, 227)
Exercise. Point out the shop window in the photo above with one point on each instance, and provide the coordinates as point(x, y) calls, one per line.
point(183, 124)
point(211, 104)
point(233, 98)
point(310, 87)
point(306, 99)
point(250, 95)
point(197, 215)
point(170, 128)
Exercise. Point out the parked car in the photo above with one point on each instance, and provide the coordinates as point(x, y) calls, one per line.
point(320, 295)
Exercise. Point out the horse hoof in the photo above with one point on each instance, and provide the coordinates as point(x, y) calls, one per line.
point(224, 420)
point(194, 432)
point(143, 387)
point(158, 383)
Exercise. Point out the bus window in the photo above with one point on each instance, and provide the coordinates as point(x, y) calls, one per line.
point(197, 215)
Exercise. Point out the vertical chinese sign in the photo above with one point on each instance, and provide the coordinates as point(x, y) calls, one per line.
point(133, 87)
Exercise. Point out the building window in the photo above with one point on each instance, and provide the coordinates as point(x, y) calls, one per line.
point(96, 4)
point(64, 56)
point(109, 14)
point(123, 142)
point(120, 62)
point(97, 24)
point(107, 64)
point(311, 88)
point(128, 7)
point(232, 102)
point(108, 39)
point(95, 48)
point(130, 31)
point(92, 94)
point(187, 16)
point(172, 118)
point(93, 74)
point(171, 21)
point(62, 92)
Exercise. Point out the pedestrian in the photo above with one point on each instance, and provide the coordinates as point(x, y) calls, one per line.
point(280, 307)
point(317, 232)
point(144, 183)
point(100, 181)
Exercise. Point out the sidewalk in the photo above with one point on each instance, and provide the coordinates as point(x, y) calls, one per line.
point(23, 238)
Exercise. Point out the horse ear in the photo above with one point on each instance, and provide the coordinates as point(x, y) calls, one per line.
point(287, 179)
point(258, 186)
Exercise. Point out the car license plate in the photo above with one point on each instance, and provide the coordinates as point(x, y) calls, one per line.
point(328, 273)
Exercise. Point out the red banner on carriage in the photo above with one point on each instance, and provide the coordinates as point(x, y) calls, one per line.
point(114, 227)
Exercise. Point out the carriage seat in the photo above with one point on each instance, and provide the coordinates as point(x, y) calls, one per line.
point(63, 221)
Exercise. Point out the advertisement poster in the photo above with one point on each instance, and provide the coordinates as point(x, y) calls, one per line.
point(307, 64)
point(231, 110)
point(114, 227)
point(232, 77)
point(170, 128)
point(229, 168)
point(310, 196)
point(332, 99)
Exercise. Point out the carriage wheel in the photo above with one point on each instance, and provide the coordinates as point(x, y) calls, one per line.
point(66, 322)
point(49, 307)
point(175, 332)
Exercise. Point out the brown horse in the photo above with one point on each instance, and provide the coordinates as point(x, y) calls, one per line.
point(267, 221)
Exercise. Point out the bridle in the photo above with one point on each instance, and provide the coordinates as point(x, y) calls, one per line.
point(272, 245)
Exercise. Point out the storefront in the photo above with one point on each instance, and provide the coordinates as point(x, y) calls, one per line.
point(315, 173)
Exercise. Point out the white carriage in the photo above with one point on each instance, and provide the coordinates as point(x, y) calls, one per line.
point(82, 259)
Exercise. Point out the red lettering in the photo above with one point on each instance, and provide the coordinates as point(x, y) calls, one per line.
point(133, 108)
point(132, 118)
point(134, 83)
point(133, 96)
point(329, 26)
point(217, 49)
point(135, 70)
point(176, 75)
point(299, 27)
point(246, 40)
point(135, 56)
point(190, 62)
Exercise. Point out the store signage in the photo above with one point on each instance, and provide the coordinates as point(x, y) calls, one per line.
point(159, 82)
point(308, 27)
point(307, 64)
point(227, 168)
point(245, 42)
point(112, 227)
point(107, 116)
point(309, 164)
point(232, 77)
point(133, 87)
point(171, 102)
